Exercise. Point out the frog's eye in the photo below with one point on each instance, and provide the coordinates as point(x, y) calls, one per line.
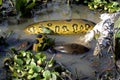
point(40, 36)
point(36, 41)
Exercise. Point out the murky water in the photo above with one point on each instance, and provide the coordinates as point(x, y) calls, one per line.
point(82, 65)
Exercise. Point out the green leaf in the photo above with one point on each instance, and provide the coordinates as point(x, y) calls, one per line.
point(31, 5)
point(35, 75)
point(32, 76)
point(13, 50)
point(29, 55)
point(117, 35)
point(40, 56)
point(97, 1)
point(38, 77)
point(16, 79)
point(117, 26)
point(117, 23)
point(0, 2)
point(32, 63)
point(20, 4)
point(115, 3)
point(28, 1)
point(30, 71)
point(47, 74)
point(23, 53)
point(54, 76)
point(28, 61)
point(11, 68)
point(43, 46)
point(29, 77)
point(23, 73)
point(19, 61)
point(37, 68)
point(47, 30)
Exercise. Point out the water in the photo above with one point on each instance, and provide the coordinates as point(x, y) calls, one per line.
point(82, 65)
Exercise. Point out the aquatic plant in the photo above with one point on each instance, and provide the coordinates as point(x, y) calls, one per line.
point(103, 5)
point(106, 5)
point(109, 6)
point(0, 2)
point(29, 66)
point(24, 7)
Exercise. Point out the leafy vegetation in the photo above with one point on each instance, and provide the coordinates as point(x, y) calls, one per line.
point(29, 66)
point(0, 2)
point(103, 5)
point(25, 8)
point(23, 65)
point(109, 6)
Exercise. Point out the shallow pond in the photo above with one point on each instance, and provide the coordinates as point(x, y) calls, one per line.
point(83, 66)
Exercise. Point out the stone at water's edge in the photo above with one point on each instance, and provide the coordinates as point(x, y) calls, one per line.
point(117, 48)
point(71, 48)
point(118, 63)
point(71, 26)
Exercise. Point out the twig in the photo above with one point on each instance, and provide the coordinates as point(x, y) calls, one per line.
point(50, 61)
point(11, 3)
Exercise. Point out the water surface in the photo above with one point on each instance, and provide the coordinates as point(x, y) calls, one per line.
point(81, 65)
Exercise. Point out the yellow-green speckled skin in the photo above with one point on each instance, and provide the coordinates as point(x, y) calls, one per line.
point(72, 26)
